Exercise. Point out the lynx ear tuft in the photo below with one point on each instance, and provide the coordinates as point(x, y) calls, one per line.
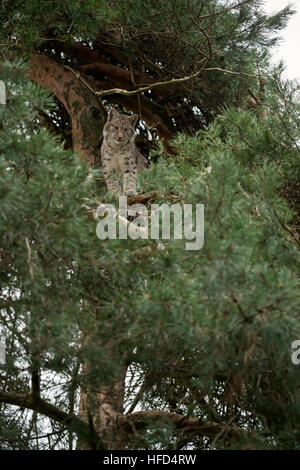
point(113, 114)
point(133, 119)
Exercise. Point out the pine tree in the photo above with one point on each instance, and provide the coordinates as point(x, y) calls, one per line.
point(135, 344)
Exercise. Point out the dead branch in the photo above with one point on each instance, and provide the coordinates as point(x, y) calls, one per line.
point(171, 82)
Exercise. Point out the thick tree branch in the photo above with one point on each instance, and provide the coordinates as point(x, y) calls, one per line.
point(86, 112)
point(194, 426)
point(129, 423)
point(71, 422)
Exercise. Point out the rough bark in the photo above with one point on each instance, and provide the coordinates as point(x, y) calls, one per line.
point(102, 409)
point(86, 112)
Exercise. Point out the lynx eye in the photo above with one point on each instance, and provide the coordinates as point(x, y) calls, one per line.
point(113, 128)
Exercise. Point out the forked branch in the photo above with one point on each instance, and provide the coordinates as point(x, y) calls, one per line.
point(171, 82)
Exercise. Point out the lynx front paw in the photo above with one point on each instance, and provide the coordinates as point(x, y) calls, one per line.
point(130, 192)
point(129, 189)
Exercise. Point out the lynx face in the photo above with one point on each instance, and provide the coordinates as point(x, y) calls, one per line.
point(119, 132)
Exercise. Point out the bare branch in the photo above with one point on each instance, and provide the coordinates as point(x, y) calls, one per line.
point(232, 73)
point(174, 81)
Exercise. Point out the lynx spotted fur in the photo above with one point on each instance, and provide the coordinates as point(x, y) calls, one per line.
point(120, 158)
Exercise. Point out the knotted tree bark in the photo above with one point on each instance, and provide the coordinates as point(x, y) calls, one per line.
point(86, 112)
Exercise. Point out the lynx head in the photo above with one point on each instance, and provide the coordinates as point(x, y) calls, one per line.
point(119, 129)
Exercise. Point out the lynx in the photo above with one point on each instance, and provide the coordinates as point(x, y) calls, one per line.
point(120, 158)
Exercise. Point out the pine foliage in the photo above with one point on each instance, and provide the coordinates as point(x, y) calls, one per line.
point(206, 334)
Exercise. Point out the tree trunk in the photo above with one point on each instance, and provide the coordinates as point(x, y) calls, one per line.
point(99, 408)
point(102, 409)
point(86, 111)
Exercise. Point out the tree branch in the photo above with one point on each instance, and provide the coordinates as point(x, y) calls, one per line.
point(86, 111)
point(220, 12)
point(71, 422)
point(181, 423)
point(171, 82)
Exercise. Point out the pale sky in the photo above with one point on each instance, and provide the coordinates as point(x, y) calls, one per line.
point(289, 48)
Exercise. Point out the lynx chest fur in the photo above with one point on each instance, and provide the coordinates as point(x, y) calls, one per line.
point(120, 158)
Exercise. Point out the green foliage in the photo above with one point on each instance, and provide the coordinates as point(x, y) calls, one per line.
point(52, 18)
point(43, 227)
point(218, 322)
point(171, 38)
point(206, 333)
point(227, 314)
